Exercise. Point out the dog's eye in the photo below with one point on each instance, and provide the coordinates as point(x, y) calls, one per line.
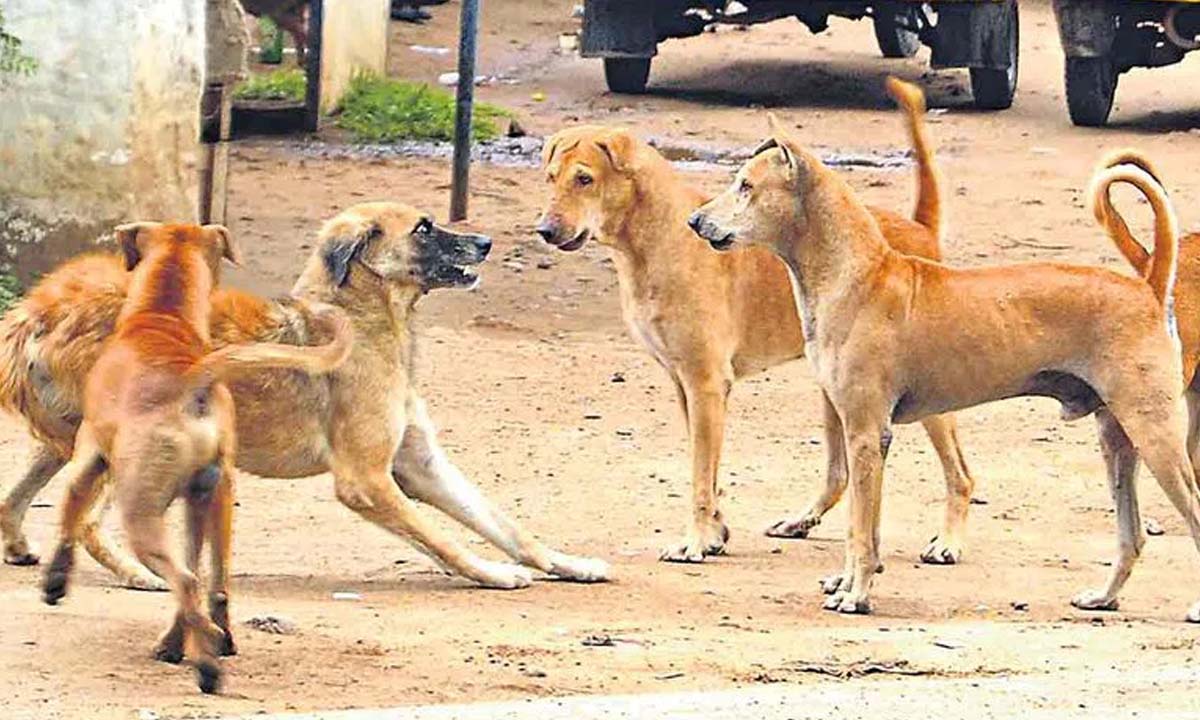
point(583, 179)
point(424, 227)
point(745, 187)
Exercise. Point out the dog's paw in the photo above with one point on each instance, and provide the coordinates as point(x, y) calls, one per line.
point(18, 553)
point(503, 576)
point(208, 676)
point(54, 584)
point(796, 529)
point(1094, 600)
point(833, 584)
point(168, 651)
point(1193, 615)
point(144, 581)
point(847, 603)
point(939, 552)
point(579, 569)
point(703, 541)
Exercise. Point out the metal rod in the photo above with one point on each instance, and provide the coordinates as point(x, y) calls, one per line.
point(463, 107)
point(312, 65)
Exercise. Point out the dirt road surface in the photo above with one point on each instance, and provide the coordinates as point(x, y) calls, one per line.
point(523, 379)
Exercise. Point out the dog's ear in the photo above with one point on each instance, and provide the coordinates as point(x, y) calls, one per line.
point(791, 156)
point(618, 147)
point(344, 244)
point(128, 239)
point(225, 242)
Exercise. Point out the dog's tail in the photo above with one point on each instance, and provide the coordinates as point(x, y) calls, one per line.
point(1112, 221)
point(1158, 268)
point(230, 360)
point(911, 100)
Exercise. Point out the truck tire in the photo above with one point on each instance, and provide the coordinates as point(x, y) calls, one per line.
point(992, 88)
point(626, 75)
point(895, 41)
point(1091, 86)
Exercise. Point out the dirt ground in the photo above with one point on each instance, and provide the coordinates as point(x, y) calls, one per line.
point(521, 377)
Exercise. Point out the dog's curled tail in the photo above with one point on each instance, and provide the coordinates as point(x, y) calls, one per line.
point(311, 359)
point(1159, 268)
point(1111, 220)
point(911, 100)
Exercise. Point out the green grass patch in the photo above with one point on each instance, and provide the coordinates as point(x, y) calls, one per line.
point(382, 110)
point(10, 291)
point(276, 85)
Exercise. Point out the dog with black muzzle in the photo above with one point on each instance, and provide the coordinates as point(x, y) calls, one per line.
point(365, 422)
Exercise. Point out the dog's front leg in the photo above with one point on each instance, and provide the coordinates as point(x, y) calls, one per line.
point(835, 480)
point(374, 494)
point(46, 462)
point(866, 445)
point(705, 400)
point(424, 473)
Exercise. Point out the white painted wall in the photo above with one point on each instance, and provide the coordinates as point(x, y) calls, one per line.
point(106, 130)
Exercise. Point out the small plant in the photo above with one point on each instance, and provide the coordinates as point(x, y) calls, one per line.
point(275, 85)
point(10, 291)
point(377, 109)
point(12, 60)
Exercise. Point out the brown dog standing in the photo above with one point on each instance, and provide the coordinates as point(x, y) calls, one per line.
point(890, 343)
point(158, 419)
point(712, 318)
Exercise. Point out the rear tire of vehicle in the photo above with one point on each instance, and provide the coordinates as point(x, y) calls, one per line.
point(1091, 87)
point(627, 75)
point(994, 89)
point(894, 40)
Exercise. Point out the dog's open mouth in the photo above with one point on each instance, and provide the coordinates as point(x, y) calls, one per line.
point(722, 243)
point(447, 275)
point(576, 242)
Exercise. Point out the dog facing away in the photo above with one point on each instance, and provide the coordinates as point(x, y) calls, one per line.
point(365, 422)
point(890, 342)
point(159, 421)
point(710, 318)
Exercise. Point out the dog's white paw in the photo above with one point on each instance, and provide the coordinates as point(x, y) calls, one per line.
point(942, 552)
point(1193, 615)
point(831, 584)
point(579, 569)
point(796, 529)
point(503, 576)
point(701, 542)
point(847, 603)
point(1094, 600)
point(145, 581)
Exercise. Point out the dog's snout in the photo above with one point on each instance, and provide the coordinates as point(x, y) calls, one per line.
point(483, 244)
point(546, 229)
point(695, 220)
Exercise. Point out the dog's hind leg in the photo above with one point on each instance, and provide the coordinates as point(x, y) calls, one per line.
point(46, 462)
point(835, 480)
point(946, 547)
point(705, 394)
point(108, 553)
point(82, 473)
point(425, 474)
point(1122, 463)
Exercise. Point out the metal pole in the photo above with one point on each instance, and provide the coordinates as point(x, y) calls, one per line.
point(312, 65)
point(464, 101)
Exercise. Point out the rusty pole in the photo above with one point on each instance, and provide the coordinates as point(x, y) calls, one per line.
point(463, 107)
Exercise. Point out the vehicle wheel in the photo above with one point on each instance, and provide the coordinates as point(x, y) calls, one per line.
point(627, 75)
point(1091, 86)
point(994, 89)
point(895, 41)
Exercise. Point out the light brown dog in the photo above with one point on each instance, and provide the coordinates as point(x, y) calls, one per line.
point(712, 318)
point(365, 422)
point(158, 419)
point(894, 338)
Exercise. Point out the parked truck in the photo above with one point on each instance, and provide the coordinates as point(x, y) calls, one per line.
point(981, 35)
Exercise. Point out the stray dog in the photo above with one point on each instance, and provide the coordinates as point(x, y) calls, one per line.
point(890, 342)
point(365, 422)
point(289, 15)
point(158, 419)
point(712, 318)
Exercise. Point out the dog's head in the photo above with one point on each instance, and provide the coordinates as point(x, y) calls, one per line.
point(399, 245)
point(140, 240)
point(767, 194)
point(590, 170)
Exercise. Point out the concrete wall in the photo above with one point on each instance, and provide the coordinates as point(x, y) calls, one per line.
point(355, 38)
point(105, 131)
